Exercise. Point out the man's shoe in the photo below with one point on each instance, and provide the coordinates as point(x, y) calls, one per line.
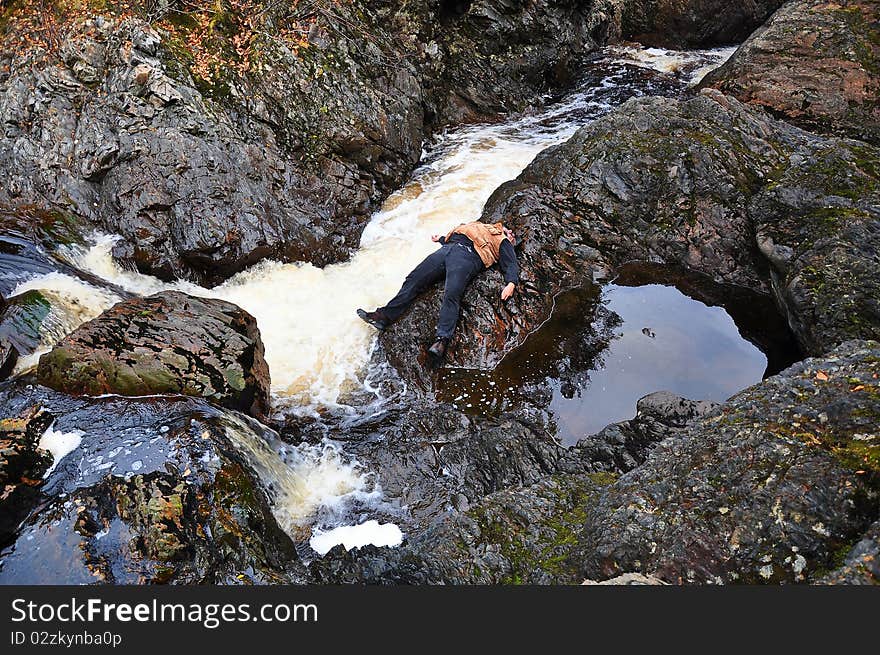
point(438, 348)
point(376, 319)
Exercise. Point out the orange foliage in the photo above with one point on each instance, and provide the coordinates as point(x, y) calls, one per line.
point(224, 35)
point(219, 36)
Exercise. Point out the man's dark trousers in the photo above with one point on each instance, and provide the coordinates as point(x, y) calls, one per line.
point(459, 264)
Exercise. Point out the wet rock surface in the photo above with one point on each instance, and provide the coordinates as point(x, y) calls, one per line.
point(21, 466)
point(156, 491)
point(519, 535)
point(686, 183)
point(693, 23)
point(204, 174)
point(433, 458)
point(815, 64)
point(31, 241)
point(623, 446)
point(22, 324)
point(165, 343)
point(769, 487)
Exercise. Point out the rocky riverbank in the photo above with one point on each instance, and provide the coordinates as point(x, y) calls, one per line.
point(714, 186)
point(276, 132)
point(779, 484)
point(124, 458)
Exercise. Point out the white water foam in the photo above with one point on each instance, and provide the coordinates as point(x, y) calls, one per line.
point(692, 65)
point(72, 303)
point(316, 346)
point(59, 444)
point(305, 480)
point(356, 536)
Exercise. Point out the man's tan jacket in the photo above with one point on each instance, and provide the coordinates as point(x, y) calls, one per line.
point(486, 237)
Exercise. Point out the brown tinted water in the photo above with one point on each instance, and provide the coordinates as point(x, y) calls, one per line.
point(639, 338)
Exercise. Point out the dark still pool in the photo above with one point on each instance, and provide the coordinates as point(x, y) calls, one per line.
point(642, 339)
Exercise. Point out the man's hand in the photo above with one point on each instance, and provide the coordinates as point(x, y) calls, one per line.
point(507, 291)
point(436, 237)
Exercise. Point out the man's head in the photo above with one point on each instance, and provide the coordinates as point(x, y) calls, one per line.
point(509, 235)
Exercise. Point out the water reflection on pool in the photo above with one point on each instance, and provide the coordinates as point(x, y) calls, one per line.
point(666, 341)
point(604, 348)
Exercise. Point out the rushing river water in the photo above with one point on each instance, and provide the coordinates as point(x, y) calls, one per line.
point(319, 351)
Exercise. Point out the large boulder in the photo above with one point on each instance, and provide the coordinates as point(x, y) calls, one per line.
point(816, 64)
point(166, 343)
point(134, 491)
point(781, 483)
point(771, 487)
point(706, 185)
point(271, 133)
point(693, 23)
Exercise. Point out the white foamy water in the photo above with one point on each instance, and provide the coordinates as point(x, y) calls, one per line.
point(356, 536)
point(316, 347)
point(59, 444)
point(72, 303)
point(692, 65)
point(306, 479)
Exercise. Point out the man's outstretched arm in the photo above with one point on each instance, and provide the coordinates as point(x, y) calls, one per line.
point(509, 267)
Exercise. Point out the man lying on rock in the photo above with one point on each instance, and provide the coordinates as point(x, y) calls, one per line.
point(464, 252)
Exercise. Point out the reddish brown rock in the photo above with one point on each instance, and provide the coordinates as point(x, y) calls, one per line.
point(815, 64)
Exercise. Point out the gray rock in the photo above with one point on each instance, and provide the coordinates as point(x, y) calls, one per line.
point(621, 447)
point(766, 488)
point(609, 188)
point(22, 323)
point(514, 536)
point(693, 23)
point(165, 343)
point(203, 176)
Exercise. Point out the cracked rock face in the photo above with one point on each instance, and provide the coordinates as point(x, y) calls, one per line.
point(161, 344)
point(693, 23)
point(203, 178)
point(816, 64)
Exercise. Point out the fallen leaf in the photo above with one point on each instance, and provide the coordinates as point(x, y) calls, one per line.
point(858, 388)
point(822, 375)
